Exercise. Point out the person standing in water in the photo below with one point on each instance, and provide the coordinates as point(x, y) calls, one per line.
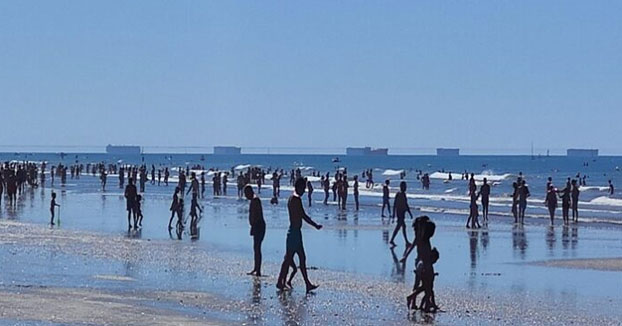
point(523, 194)
point(611, 189)
point(355, 187)
point(385, 198)
point(53, 206)
point(294, 236)
point(400, 208)
point(565, 196)
point(130, 201)
point(485, 193)
point(344, 191)
point(326, 186)
point(551, 202)
point(575, 201)
point(166, 175)
point(258, 227)
point(175, 210)
point(310, 192)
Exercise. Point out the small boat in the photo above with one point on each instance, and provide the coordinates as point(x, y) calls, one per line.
point(336, 160)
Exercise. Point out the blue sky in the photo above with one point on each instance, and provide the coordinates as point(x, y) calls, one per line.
point(481, 75)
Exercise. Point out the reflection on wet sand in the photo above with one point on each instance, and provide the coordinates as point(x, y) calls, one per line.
point(397, 271)
point(519, 241)
point(292, 312)
point(473, 250)
point(550, 239)
point(255, 314)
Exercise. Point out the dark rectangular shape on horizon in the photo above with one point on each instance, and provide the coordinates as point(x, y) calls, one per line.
point(123, 150)
point(447, 152)
point(366, 151)
point(227, 150)
point(578, 152)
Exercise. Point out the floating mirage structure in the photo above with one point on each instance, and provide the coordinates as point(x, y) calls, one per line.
point(123, 150)
point(365, 151)
point(447, 152)
point(578, 152)
point(227, 150)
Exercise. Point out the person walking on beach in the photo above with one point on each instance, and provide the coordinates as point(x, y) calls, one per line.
point(310, 192)
point(175, 210)
point(485, 193)
point(564, 194)
point(194, 185)
point(294, 237)
point(103, 178)
point(258, 227)
point(344, 191)
point(194, 215)
point(473, 212)
point(575, 201)
point(523, 194)
point(121, 177)
point(130, 201)
point(53, 206)
point(400, 208)
point(326, 186)
point(551, 202)
point(515, 202)
point(355, 187)
point(385, 198)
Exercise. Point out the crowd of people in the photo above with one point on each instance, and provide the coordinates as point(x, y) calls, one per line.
point(14, 177)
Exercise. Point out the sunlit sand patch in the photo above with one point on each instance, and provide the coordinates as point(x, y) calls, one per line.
point(601, 264)
point(113, 278)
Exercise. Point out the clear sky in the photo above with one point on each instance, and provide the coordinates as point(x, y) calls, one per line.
point(481, 75)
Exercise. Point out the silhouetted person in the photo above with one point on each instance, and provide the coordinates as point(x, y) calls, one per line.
point(130, 201)
point(473, 212)
point(515, 201)
point(485, 193)
point(310, 192)
point(611, 189)
point(551, 202)
point(294, 236)
point(385, 198)
point(175, 209)
point(53, 206)
point(565, 196)
point(523, 194)
point(194, 215)
point(575, 201)
point(258, 226)
point(355, 188)
point(400, 208)
point(138, 217)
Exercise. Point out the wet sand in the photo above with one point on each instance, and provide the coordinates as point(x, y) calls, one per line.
point(599, 264)
point(79, 277)
point(504, 274)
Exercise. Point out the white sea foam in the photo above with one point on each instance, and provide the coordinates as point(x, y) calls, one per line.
point(242, 167)
point(608, 201)
point(477, 177)
point(389, 172)
point(593, 188)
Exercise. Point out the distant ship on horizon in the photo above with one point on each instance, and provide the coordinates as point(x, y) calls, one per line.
point(123, 149)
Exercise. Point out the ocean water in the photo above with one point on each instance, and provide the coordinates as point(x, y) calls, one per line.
point(596, 205)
